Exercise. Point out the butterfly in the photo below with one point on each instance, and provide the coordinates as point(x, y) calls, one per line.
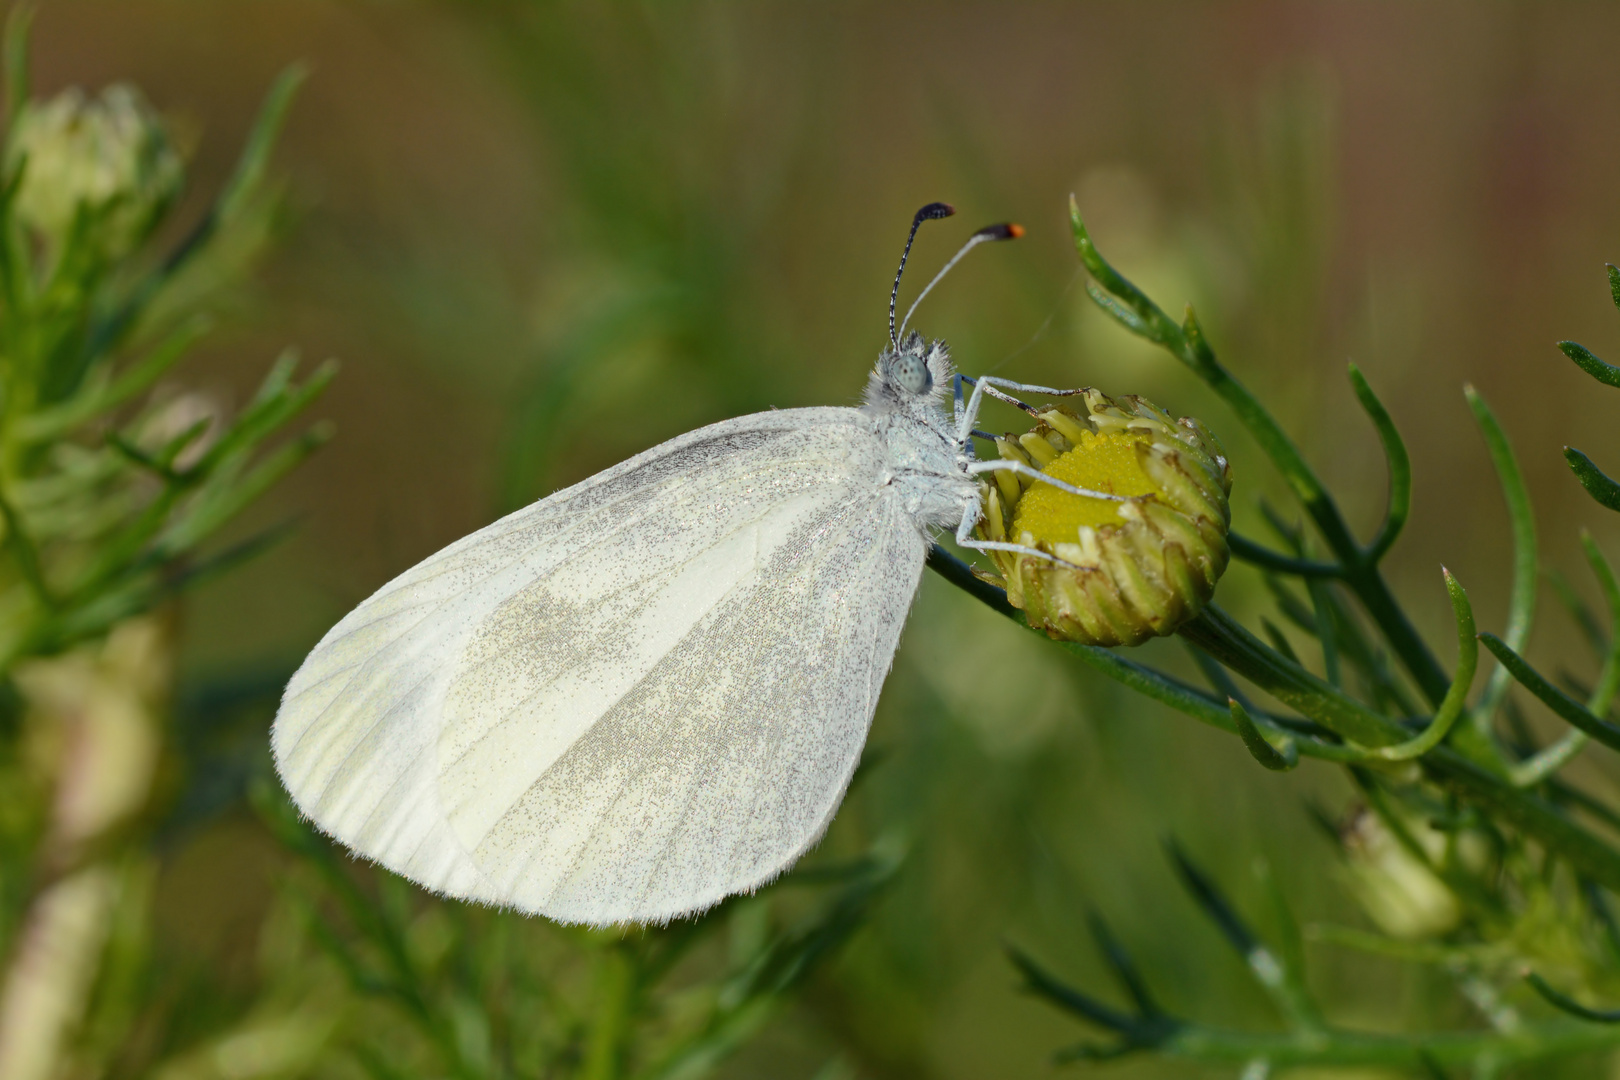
point(647, 691)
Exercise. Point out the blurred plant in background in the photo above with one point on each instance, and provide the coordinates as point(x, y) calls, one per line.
point(112, 482)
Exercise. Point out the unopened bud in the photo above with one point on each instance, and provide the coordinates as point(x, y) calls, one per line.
point(1395, 887)
point(107, 159)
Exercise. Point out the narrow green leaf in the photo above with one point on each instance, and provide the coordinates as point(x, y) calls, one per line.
point(1358, 649)
point(25, 552)
point(1119, 961)
point(1066, 997)
point(1555, 699)
point(1485, 787)
point(276, 402)
point(1602, 488)
point(1297, 1002)
point(1614, 283)
point(1271, 971)
point(1121, 314)
point(231, 557)
point(53, 422)
point(1608, 680)
point(1607, 374)
point(1279, 640)
point(1327, 634)
point(1154, 324)
point(1280, 758)
point(255, 159)
point(1549, 759)
point(1569, 1005)
point(229, 206)
point(1399, 463)
point(1580, 613)
point(1217, 677)
point(1432, 1067)
point(1456, 699)
point(1292, 607)
point(1147, 681)
point(213, 512)
point(1526, 574)
point(141, 458)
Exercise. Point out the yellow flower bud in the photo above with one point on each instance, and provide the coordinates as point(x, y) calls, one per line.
point(1119, 572)
point(108, 158)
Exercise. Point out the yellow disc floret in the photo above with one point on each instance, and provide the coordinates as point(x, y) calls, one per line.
point(1106, 463)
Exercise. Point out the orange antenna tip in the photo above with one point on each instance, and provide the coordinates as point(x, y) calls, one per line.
point(1008, 231)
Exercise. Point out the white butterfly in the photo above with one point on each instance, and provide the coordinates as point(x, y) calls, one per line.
point(647, 691)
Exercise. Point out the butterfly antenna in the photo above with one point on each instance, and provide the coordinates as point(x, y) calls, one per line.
point(932, 212)
point(1008, 231)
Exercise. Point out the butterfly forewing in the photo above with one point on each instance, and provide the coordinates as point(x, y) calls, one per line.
point(630, 699)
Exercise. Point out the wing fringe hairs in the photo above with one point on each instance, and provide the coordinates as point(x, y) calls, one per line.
point(635, 697)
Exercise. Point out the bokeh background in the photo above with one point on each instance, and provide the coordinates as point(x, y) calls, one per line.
point(541, 237)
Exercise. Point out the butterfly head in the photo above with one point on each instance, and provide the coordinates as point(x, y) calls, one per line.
point(914, 370)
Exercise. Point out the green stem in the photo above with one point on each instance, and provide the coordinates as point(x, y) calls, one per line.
point(1259, 555)
point(1533, 770)
point(1186, 342)
point(1144, 680)
point(610, 1023)
point(1228, 641)
point(1537, 1042)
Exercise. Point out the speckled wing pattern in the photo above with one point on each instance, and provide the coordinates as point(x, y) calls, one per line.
point(630, 699)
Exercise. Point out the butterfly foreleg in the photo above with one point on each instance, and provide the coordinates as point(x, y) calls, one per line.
point(968, 415)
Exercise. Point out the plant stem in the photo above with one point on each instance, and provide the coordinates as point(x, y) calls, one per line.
point(1229, 642)
point(615, 983)
point(1342, 1048)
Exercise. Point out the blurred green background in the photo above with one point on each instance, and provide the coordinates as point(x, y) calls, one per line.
point(542, 237)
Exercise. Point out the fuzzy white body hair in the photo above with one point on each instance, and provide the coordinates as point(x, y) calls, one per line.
point(645, 692)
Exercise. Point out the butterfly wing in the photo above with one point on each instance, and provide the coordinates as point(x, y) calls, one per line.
point(631, 699)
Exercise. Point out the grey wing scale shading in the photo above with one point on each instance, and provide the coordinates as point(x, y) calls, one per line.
point(630, 699)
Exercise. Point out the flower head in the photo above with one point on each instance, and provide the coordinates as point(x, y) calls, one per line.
point(1111, 571)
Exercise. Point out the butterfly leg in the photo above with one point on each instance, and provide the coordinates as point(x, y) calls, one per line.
point(973, 512)
point(966, 539)
point(968, 415)
point(1022, 469)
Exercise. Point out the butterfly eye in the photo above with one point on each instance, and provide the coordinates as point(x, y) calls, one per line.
point(911, 373)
